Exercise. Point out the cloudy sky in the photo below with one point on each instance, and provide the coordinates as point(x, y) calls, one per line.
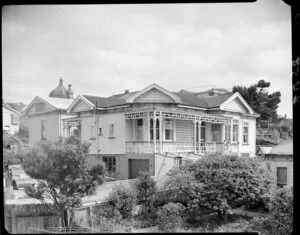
point(104, 49)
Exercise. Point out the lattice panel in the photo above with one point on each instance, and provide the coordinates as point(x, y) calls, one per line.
point(137, 115)
point(179, 115)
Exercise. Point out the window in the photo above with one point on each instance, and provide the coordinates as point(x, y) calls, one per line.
point(43, 129)
point(281, 176)
point(110, 163)
point(111, 130)
point(227, 133)
point(139, 129)
point(235, 131)
point(14, 119)
point(169, 129)
point(245, 133)
point(216, 132)
point(203, 132)
point(100, 131)
point(157, 129)
point(40, 107)
point(245, 154)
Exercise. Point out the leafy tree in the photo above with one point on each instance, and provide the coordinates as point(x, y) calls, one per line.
point(219, 183)
point(11, 157)
point(260, 100)
point(146, 189)
point(282, 211)
point(66, 177)
point(123, 199)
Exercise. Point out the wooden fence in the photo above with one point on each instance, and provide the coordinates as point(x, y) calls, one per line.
point(21, 218)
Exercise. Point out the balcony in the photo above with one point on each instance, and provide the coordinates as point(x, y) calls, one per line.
point(180, 147)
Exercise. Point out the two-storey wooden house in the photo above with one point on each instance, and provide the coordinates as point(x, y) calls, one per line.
point(154, 129)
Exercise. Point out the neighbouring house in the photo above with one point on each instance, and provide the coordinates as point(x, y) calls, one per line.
point(11, 119)
point(154, 129)
point(280, 161)
point(44, 115)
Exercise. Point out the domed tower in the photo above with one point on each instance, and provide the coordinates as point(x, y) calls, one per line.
point(60, 91)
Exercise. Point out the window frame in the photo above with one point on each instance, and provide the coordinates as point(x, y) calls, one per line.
point(112, 128)
point(281, 183)
point(43, 129)
point(246, 124)
point(139, 128)
point(110, 163)
point(236, 123)
point(171, 129)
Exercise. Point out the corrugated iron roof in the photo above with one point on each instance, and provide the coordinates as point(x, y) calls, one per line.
point(216, 101)
point(283, 149)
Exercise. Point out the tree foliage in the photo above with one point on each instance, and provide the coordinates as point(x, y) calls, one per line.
point(169, 217)
point(63, 168)
point(282, 211)
point(123, 199)
point(146, 189)
point(260, 100)
point(220, 183)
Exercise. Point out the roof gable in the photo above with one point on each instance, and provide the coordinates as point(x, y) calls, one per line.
point(50, 104)
point(81, 103)
point(237, 107)
point(155, 94)
point(10, 108)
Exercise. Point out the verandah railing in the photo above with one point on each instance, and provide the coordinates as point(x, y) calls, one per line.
point(166, 146)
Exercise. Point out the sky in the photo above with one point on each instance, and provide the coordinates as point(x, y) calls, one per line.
point(105, 49)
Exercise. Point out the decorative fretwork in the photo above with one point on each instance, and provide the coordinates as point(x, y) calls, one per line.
point(135, 115)
point(179, 115)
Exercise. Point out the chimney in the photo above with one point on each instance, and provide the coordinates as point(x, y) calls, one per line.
point(60, 81)
point(126, 91)
point(70, 92)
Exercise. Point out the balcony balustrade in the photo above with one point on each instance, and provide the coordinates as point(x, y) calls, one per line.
point(180, 147)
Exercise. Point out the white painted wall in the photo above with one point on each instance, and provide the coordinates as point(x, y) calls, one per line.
point(7, 122)
point(52, 126)
point(115, 145)
point(251, 146)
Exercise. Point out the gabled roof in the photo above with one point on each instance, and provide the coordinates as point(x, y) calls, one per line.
point(57, 103)
point(282, 149)
point(216, 101)
point(132, 97)
point(191, 100)
point(183, 98)
point(10, 108)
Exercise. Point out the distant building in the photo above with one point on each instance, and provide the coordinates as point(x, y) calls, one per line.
point(44, 115)
point(11, 119)
point(280, 161)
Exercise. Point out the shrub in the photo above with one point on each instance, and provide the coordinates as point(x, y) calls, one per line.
point(282, 211)
point(123, 199)
point(106, 213)
point(169, 217)
point(146, 189)
point(219, 183)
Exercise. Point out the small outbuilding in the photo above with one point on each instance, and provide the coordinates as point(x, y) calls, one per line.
point(280, 161)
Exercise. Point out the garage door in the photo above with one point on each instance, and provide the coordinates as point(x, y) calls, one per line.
point(136, 165)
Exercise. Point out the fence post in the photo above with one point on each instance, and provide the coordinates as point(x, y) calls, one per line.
point(13, 221)
point(88, 215)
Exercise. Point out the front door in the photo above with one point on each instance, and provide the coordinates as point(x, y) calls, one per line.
point(137, 165)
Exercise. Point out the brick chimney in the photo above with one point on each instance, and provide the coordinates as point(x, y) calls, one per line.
point(126, 91)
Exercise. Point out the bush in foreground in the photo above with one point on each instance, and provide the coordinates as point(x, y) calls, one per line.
point(219, 183)
point(124, 200)
point(169, 217)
